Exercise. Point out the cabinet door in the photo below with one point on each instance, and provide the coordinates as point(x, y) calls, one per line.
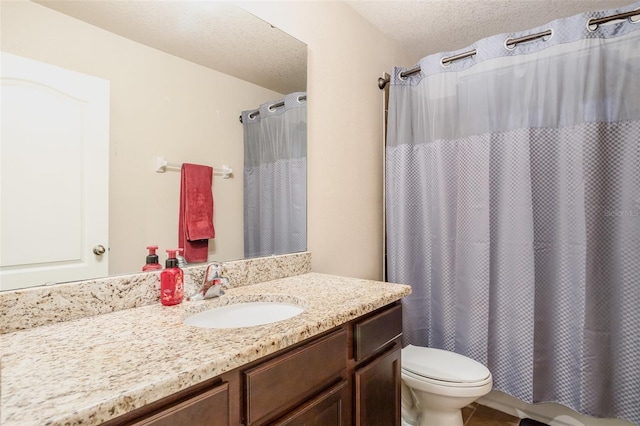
point(210, 408)
point(327, 409)
point(377, 390)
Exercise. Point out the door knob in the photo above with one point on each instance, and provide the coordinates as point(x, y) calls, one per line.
point(99, 250)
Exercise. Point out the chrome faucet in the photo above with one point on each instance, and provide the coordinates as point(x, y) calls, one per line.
point(212, 285)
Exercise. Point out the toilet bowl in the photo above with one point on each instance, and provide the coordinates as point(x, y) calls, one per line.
point(437, 384)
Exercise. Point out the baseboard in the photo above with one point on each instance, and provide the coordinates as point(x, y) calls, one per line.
point(551, 414)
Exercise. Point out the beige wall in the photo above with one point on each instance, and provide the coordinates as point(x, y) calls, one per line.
point(151, 90)
point(346, 55)
point(160, 105)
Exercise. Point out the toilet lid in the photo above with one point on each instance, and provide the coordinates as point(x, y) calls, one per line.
point(442, 365)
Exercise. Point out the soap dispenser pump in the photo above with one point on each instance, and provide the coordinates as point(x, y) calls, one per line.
point(152, 260)
point(171, 281)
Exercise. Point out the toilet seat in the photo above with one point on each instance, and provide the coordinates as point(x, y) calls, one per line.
point(443, 368)
point(444, 384)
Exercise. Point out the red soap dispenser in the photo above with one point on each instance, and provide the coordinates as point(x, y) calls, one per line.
point(152, 260)
point(171, 281)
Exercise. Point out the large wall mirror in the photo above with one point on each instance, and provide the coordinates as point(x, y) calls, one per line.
point(180, 73)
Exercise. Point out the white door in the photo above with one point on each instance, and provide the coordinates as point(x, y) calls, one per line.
point(54, 174)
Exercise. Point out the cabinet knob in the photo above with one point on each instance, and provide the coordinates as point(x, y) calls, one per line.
point(99, 250)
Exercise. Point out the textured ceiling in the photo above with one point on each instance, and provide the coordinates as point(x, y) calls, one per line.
point(217, 35)
point(433, 26)
point(224, 37)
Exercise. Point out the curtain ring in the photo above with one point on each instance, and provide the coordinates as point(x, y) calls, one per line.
point(506, 44)
point(591, 27)
point(271, 108)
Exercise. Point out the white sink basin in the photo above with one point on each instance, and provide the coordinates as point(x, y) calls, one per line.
point(244, 315)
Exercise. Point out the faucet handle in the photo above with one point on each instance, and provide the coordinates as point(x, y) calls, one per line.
point(214, 270)
point(212, 285)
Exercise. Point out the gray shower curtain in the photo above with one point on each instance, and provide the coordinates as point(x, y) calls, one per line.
point(513, 210)
point(275, 177)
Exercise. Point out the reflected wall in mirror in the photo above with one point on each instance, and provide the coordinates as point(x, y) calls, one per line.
point(180, 73)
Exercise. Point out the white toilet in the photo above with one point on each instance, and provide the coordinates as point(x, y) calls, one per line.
point(437, 384)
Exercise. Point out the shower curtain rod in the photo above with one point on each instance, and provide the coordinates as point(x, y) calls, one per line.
point(276, 105)
point(592, 25)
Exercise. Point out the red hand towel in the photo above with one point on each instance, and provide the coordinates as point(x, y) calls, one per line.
point(196, 212)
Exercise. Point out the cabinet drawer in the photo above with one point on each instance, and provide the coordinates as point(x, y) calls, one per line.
point(288, 380)
point(209, 408)
point(374, 332)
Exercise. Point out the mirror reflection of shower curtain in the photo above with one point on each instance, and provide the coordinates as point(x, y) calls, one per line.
point(275, 178)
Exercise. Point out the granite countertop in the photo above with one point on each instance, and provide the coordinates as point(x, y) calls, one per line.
point(90, 370)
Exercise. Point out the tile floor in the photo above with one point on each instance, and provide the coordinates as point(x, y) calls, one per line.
point(480, 415)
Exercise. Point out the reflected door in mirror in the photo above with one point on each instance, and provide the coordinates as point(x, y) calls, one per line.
point(54, 174)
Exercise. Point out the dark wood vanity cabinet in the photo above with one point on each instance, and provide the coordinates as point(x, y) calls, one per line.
point(347, 376)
